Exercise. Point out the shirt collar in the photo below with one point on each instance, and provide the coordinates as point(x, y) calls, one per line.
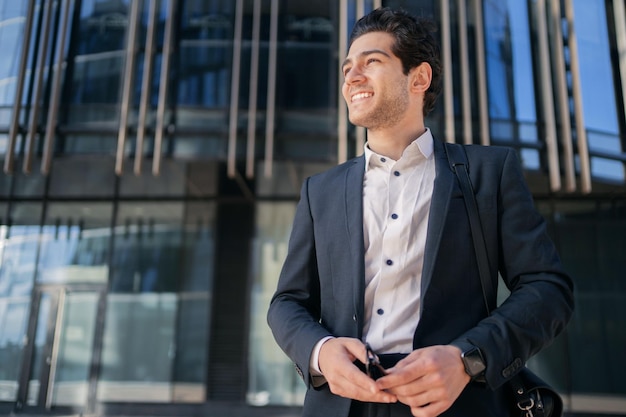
point(423, 144)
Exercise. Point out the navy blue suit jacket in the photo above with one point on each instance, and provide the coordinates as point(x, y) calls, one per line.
point(321, 287)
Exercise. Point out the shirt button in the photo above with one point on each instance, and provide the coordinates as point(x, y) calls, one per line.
point(394, 216)
point(389, 262)
point(380, 311)
point(396, 173)
point(383, 159)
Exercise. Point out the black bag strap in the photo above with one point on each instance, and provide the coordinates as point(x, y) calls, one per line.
point(457, 158)
point(460, 165)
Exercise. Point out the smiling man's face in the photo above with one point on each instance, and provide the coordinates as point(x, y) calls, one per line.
point(375, 87)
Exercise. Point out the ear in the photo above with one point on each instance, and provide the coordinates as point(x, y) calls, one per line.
point(421, 77)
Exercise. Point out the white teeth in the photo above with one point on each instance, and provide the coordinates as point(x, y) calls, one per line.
point(361, 95)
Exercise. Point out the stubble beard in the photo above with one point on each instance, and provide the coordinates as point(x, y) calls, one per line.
point(388, 111)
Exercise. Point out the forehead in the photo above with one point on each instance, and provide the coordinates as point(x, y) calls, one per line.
point(372, 41)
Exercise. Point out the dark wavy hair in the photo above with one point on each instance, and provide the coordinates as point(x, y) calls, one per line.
point(414, 43)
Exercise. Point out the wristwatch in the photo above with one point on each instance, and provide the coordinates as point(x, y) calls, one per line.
point(474, 363)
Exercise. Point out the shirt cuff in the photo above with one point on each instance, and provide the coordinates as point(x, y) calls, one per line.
point(314, 366)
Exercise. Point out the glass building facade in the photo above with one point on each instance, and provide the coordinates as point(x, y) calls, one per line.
point(152, 155)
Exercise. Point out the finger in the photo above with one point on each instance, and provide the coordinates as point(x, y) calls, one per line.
point(360, 387)
point(400, 377)
point(357, 349)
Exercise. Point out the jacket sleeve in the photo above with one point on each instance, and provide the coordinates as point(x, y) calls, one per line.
point(541, 300)
point(294, 312)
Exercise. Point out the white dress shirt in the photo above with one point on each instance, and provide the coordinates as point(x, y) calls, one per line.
point(396, 205)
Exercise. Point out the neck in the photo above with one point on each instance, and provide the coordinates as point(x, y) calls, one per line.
point(392, 143)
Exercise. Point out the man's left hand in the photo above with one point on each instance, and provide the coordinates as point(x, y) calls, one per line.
point(429, 380)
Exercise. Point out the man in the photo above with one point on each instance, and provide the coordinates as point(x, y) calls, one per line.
point(381, 253)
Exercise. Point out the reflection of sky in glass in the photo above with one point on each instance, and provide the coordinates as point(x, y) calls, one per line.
point(508, 46)
point(595, 66)
point(522, 61)
point(598, 98)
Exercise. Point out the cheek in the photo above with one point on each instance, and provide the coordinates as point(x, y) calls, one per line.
point(344, 91)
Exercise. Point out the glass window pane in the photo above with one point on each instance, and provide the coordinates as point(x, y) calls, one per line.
point(272, 377)
point(19, 237)
point(12, 22)
point(19, 252)
point(597, 84)
point(162, 275)
point(148, 240)
point(13, 321)
point(75, 241)
point(75, 339)
point(591, 238)
point(98, 62)
point(509, 68)
point(130, 372)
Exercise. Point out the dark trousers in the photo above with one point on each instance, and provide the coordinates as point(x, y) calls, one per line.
point(360, 409)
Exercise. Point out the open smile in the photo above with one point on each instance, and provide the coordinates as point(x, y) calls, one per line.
point(361, 96)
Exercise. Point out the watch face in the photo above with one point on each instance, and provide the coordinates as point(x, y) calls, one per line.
point(474, 363)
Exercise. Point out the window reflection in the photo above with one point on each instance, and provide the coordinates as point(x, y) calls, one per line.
point(596, 78)
point(509, 59)
point(272, 377)
point(98, 61)
point(160, 297)
point(130, 371)
point(75, 349)
point(75, 247)
point(12, 18)
point(13, 320)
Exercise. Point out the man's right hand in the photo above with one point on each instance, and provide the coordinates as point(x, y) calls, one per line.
point(344, 378)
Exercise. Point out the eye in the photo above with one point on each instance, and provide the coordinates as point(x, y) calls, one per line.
point(346, 70)
point(372, 60)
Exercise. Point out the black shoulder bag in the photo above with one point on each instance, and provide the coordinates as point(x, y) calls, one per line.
point(530, 395)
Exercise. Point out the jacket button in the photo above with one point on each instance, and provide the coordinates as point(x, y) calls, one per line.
point(354, 318)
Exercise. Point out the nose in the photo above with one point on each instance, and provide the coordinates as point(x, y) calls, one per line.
point(353, 75)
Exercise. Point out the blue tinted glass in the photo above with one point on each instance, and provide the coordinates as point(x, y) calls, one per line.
point(206, 54)
point(596, 79)
point(595, 67)
point(98, 60)
point(12, 19)
point(509, 69)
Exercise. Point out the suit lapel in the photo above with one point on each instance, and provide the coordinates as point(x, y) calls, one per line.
point(353, 192)
point(442, 190)
point(354, 221)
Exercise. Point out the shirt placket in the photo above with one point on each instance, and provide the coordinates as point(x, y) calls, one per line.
point(390, 253)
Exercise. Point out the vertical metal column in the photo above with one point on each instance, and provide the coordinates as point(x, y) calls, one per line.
point(562, 98)
point(270, 115)
point(14, 126)
point(465, 78)
point(128, 77)
point(146, 85)
point(579, 116)
point(342, 110)
point(446, 54)
point(545, 78)
point(254, 87)
point(55, 95)
point(359, 131)
point(481, 74)
point(54, 357)
point(231, 164)
point(619, 13)
point(163, 86)
point(36, 104)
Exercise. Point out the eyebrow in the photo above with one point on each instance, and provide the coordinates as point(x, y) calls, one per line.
point(366, 53)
